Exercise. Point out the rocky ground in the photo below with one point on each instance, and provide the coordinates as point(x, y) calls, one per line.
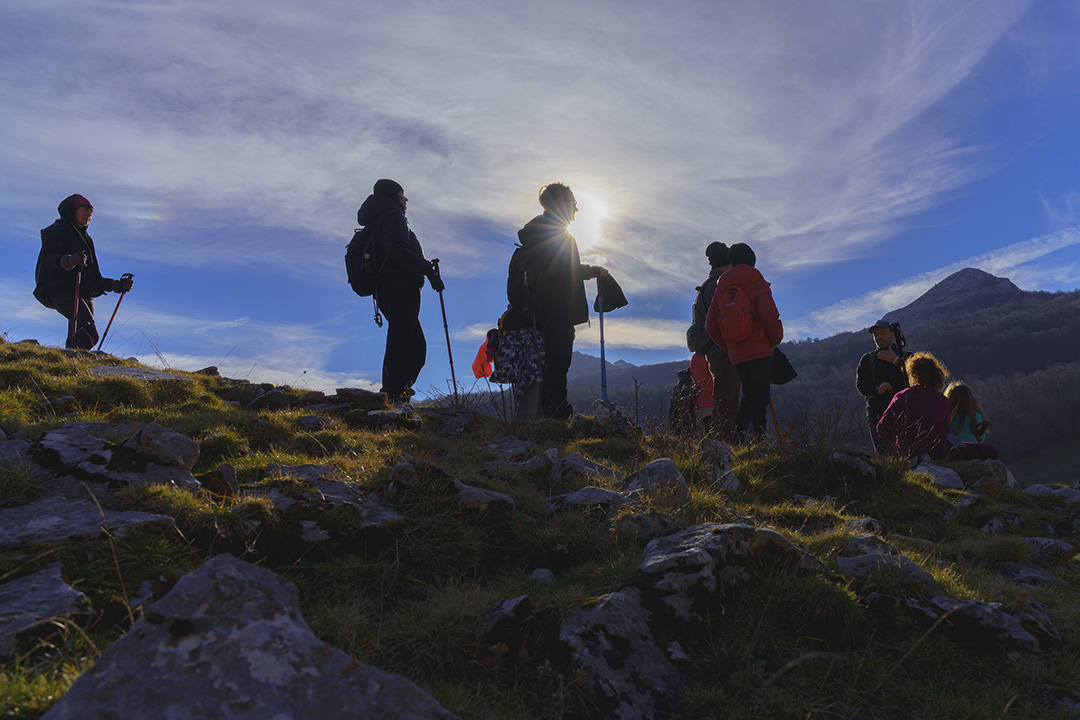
point(546, 570)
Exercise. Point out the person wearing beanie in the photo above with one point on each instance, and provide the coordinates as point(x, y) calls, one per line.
point(67, 259)
point(725, 378)
point(556, 278)
point(879, 376)
point(743, 304)
point(401, 273)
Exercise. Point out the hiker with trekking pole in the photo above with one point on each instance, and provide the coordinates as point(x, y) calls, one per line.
point(550, 260)
point(67, 276)
point(402, 269)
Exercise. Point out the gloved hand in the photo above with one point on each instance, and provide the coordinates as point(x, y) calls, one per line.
point(122, 285)
point(69, 262)
point(436, 282)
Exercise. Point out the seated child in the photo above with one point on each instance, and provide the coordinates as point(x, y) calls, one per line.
point(967, 423)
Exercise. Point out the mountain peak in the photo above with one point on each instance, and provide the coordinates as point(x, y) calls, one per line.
point(963, 291)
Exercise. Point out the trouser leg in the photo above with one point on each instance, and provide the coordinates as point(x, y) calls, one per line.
point(82, 335)
point(558, 351)
point(725, 392)
point(755, 376)
point(880, 445)
point(406, 347)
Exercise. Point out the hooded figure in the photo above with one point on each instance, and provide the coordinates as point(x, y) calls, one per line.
point(68, 258)
point(557, 285)
point(401, 276)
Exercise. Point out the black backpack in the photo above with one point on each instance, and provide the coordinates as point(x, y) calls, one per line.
point(361, 262)
point(41, 282)
point(697, 338)
point(518, 290)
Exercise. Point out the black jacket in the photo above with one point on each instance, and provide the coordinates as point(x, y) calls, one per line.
point(557, 277)
point(402, 253)
point(61, 238)
point(871, 373)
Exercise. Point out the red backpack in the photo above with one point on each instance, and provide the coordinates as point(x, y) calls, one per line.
point(736, 315)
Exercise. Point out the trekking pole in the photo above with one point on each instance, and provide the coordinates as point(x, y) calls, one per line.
point(113, 316)
point(603, 361)
point(75, 314)
point(446, 329)
point(776, 423)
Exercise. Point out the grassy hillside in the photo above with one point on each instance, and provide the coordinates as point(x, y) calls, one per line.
point(410, 604)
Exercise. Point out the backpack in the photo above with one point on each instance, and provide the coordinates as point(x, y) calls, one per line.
point(360, 262)
point(518, 291)
point(697, 338)
point(736, 315)
point(41, 282)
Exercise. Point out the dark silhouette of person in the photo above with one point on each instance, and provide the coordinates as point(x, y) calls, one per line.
point(557, 284)
point(751, 355)
point(880, 376)
point(401, 277)
point(725, 378)
point(68, 258)
point(917, 419)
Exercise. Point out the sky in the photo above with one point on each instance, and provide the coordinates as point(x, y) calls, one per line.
point(864, 148)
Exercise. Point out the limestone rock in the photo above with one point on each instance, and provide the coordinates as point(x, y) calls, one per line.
point(575, 467)
point(493, 506)
point(221, 481)
point(1065, 495)
point(313, 423)
point(983, 625)
point(74, 451)
point(865, 525)
point(303, 472)
point(661, 481)
point(502, 622)
point(137, 373)
point(1049, 551)
point(854, 465)
point(903, 569)
point(543, 576)
point(1005, 519)
point(509, 467)
point(508, 448)
point(35, 600)
point(612, 420)
point(57, 518)
point(1027, 574)
point(648, 525)
point(229, 642)
point(629, 676)
point(868, 544)
point(164, 446)
point(695, 573)
point(941, 476)
point(587, 498)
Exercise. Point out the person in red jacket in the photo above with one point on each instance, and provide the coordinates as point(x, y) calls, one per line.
point(749, 332)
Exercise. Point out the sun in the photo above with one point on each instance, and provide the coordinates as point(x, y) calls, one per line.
point(588, 226)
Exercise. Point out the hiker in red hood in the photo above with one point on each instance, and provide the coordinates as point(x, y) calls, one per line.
point(743, 320)
point(67, 252)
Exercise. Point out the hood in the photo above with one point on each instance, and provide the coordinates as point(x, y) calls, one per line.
point(374, 206)
point(741, 275)
point(66, 208)
point(541, 228)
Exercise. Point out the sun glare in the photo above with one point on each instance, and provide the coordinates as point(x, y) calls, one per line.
point(588, 226)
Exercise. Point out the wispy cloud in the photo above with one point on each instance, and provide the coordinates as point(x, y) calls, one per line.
point(1016, 261)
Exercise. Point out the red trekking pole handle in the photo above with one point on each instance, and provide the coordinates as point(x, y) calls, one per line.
point(111, 318)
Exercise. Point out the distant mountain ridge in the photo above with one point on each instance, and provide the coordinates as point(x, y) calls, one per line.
point(1019, 350)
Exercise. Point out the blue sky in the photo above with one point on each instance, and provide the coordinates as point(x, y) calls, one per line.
point(864, 149)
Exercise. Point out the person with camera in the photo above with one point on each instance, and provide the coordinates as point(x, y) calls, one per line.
point(881, 375)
